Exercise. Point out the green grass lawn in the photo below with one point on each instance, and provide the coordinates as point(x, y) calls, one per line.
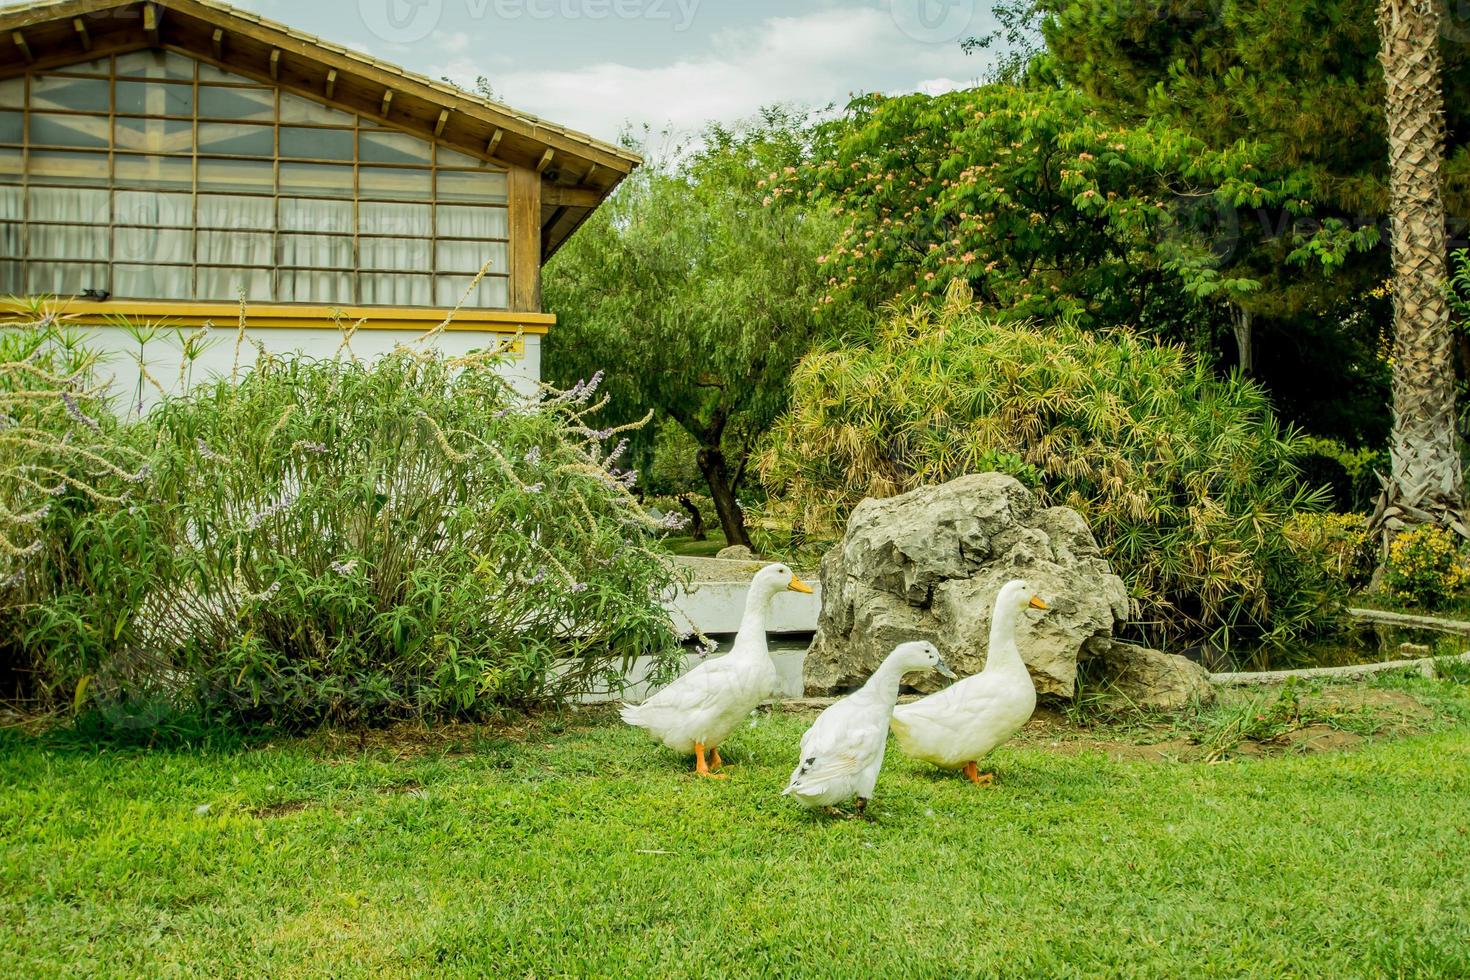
point(578, 846)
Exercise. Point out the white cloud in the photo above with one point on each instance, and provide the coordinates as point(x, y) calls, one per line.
point(813, 59)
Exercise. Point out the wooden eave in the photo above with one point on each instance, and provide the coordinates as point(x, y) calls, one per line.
point(577, 172)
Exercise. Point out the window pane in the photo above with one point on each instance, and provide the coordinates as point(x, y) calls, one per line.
point(316, 144)
point(68, 241)
point(171, 173)
point(299, 214)
point(11, 283)
point(218, 76)
point(408, 185)
point(152, 245)
point(68, 168)
point(12, 127)
point(155, 99)
point(454, 158)
point(486, 187)
point(247, 176)
point(237, 104)
point(237, 140)
point(12, 203)
point(297, 110)
point(383, 289)
point(237, 247)
point(226, 284)
point(392, 148)
point(65, 278)
point(13, 93)
point(151, 209)
point(492, 293)
point(317, 180)
point(470, 256)
point(10, 239)
point(154, 135)
point(11, 163)
point(397, 254)
point(153, 282)
point(316, 251)
point(460, 221)
point(76, 94)
point(394, 219)
point(74, 205)
point(84, 131)
point(155, 64)
point(236, 212)
point(310, 286)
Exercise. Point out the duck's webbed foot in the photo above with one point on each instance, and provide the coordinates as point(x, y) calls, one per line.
point(861, 808)
point(715, 762)
point(973, 774)
point(701, 766)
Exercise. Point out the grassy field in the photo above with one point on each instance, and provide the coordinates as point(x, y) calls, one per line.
point(578, 847)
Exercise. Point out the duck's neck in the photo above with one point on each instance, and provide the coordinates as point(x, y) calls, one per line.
point(1003, 654)
point(882, 687)
point(752, 634)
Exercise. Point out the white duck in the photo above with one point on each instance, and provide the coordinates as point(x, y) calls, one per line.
point(961, 724)
point(699, 710)
point(842, 752)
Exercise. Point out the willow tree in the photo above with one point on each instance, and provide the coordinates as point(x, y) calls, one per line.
point(1426, 483)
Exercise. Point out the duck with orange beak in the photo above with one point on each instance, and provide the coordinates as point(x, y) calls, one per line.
point(960, 725)
point(699, 710)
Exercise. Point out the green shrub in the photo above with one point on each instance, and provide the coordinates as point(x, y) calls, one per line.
point(1339, 544)
point(1186, 480)
point(1427, 566)
point(337, 541)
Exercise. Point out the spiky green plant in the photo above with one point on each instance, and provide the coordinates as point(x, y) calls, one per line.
point(1185, 479)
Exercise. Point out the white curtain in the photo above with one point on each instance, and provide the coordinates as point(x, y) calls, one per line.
point(387, 289)
point(65, 278)
point(471, 256)
point(460, 221)
point(152, 245)
point(493, 292)
point(223, 284)
point(75, 204)
point(152, 209)
point(68, 242)
point(397, 254)
point(225, 211)
point(153, 281)
point(236, 248)
point(398, 220)
point(312, 215)
point(316, 252)
point(311, 286)
point(12, 204)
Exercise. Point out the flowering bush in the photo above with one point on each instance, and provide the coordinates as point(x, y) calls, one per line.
point(1427, 566)
point(337, 541)
point(1339, 544)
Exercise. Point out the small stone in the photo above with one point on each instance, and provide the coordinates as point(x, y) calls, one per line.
point(1415, 649)
point(201, 809)
point(1148, 678)
point(736, 552)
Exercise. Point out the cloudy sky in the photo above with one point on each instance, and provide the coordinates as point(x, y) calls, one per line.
point(598, 65)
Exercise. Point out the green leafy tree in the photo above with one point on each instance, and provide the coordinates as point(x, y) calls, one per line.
point(697, 297)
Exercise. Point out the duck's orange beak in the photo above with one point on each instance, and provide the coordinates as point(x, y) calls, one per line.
point(1038, 603)
point(797, 585)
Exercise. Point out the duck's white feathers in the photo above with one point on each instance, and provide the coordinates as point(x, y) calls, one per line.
point(967, 720)
point(709, 702)
point(841, 754)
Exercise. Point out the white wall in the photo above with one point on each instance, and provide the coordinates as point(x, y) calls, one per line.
point(163, 353)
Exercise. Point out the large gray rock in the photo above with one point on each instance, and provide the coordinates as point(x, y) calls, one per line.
point(736, 552)
point(928, 564)
point(1147, 678)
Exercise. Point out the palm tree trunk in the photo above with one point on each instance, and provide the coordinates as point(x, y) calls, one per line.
point(1426, 484)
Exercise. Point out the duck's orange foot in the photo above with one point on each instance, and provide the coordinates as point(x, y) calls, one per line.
point(701, 767)
point(972, 773)
point(715, 761)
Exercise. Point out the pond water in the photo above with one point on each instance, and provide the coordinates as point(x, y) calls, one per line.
point(1358, 643)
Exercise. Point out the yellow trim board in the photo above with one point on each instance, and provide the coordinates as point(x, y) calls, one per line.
point(267, 316)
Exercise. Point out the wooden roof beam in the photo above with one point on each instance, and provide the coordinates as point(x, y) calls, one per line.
point(150, 23)
point(275, 64)
point(25, 48)
point(546, 159)
point(80, 26)
point(217, 39)
point(331, 83)
point(441, 122)
point(387, 103)
point(494, 143)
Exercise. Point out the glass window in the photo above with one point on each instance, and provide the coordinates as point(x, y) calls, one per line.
point(155, 99)
point(11, 166)
point(304, 214)
point(65, 278)
point(453, 158)
point(154, 135)
point(155, 64)
point(237, 247)
point(298, 110)
point(153, 281)
point(394, 219)
point(237, 104)
point(393, 253)
point(83, 131)
point(12, 127)
point(69, 241)
point(383, 289)
point(221, 283)
point(313, 286)
point(152, 209)
point(68, 168)
point(13, 93)
point(470, 256)
point(75, 205)
point(238, 140)
point(462, 221)
point(12, 234)
point(152, 245)
point(316, 144)
point(392, 148)
point(74, 94)
point(484, 187)
point(12, 203)
point(165, 173)
point(410, 185)
point(11, 281)
point(493, 291)
point(316, 179)
point(224, 211)
point(209, 73)
point(243, 176)
point(316, 251)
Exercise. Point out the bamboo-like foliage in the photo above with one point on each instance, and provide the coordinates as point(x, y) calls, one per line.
point(1186, 480)
point(351, 542)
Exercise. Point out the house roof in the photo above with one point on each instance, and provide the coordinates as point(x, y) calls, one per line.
point(578, 171)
